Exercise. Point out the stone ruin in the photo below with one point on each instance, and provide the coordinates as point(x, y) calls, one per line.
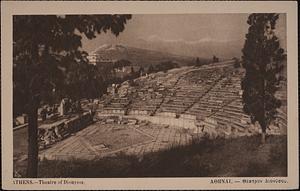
point(209, 95)
point(54, 132)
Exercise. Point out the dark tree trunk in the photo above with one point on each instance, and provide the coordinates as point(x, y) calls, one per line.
point(263, 133)
point(263, 125)
point(32, 161)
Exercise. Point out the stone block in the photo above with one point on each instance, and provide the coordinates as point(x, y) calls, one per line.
point(20, 120)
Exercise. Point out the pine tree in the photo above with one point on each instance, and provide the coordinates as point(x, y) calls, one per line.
point(141, 71)
point(236, 62)
point(197, 61)
point(215, 59)
point(151, 69)
point(132, 70)
point(262, 59)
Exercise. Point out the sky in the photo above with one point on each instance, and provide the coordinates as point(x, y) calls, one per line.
point(185, 34)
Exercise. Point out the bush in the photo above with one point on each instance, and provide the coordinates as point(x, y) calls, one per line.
point(236, 65)
point(255, 169)
point(278, 156)
point(202, 157)
point(165, 66)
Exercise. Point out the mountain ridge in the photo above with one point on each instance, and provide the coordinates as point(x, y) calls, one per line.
point(140, 56)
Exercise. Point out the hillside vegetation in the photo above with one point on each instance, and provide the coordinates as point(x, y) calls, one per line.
point(238, 157)
point(142, 57)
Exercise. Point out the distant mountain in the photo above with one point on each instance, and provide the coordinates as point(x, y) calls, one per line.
point(204, 48)
point(111, 52)
point(139, 56)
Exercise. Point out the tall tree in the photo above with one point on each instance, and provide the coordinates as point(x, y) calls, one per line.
point(215, 59)
point(236, 62)
point(262, 59)
point(151, 69)
point(46, 49)
point(197, 62)
point(132, 70)
point(141, 71)
point(121, 63)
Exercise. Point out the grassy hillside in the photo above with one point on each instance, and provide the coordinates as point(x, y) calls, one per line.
point(146, 57)
point(142, 57)
point(242, 156)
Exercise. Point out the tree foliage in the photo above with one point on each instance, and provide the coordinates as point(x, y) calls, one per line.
point(197, 62)
point(262, 59)
point(48, 57)
point(215, 59)
point(48, 60)
point(151, 69)
point(122, 63)
point(165, 66)
point(236, 62)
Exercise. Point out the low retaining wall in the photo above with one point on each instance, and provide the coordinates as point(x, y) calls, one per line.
point(201, 127)
point(164, 120)
point(186, 123)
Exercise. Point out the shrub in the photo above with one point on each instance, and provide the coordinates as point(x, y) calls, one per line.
point(201, 157)
point(278, 156)
point(255, 169)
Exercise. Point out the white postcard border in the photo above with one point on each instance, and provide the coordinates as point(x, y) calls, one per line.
point(31, 7)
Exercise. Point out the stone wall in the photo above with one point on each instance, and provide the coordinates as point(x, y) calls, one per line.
point(182, 122)
point(52, 133)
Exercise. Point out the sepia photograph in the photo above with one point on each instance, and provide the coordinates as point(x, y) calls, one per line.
point(130, 95)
